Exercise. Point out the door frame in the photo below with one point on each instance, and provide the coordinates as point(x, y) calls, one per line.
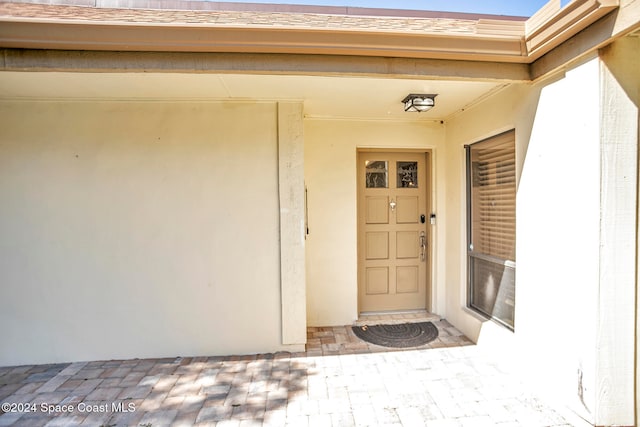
point(428, 193)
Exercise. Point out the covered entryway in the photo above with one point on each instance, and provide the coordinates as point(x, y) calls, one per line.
point(392, 231)
point(186, 221)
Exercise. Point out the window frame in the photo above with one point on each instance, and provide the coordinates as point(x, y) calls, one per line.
point(471, 255)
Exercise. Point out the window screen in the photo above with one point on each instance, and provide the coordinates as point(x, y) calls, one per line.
point(491, 192)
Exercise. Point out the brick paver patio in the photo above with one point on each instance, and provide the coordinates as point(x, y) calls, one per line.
point(338, 381)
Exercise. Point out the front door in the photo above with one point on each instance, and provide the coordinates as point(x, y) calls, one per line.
point(392, 231)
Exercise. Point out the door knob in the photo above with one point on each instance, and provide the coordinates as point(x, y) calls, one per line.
point(392, 205)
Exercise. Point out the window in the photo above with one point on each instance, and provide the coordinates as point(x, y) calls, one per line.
point(491, 227)
point(407, 174)
point(377, 174)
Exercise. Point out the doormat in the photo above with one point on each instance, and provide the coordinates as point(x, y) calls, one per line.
point(398, 336)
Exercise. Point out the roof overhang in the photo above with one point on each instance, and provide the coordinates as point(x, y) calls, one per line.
point(64, 27)
point(199, 38)
point(357, 69)
point(553, 24)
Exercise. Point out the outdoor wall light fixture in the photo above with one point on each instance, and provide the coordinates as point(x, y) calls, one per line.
point(419, 102)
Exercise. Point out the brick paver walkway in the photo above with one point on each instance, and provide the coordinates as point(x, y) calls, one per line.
point(339, 381)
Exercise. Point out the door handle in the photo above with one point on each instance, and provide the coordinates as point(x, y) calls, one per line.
point(392, 205)
point(423, 246)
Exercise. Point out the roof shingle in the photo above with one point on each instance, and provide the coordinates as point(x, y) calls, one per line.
point(224, 18)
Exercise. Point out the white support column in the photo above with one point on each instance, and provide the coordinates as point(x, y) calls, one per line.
point(616, 333)
point(292, 251)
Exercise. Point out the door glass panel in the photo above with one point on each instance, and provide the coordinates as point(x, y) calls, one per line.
point(407, 174)
point(377, 173)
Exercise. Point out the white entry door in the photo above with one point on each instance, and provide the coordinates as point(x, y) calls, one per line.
point(392, 231)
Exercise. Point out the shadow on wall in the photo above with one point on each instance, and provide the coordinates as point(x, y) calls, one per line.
point(622, 59)
point(524, 129)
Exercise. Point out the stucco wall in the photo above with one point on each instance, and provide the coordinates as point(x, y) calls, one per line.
point(576, 191)
point(138, 230)
point(558, 194)
point(558, 214)
point(512, 108)
point(330, 175)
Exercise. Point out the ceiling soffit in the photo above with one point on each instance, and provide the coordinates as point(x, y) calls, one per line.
point(323, 97)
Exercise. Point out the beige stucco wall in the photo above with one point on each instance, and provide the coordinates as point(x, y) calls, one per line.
point(577, 173)
point(138, 230)
point(558, 200)
point(558, 195)
point(557, 151)
point(512, 108)
point(558, 240)
point(330, 176)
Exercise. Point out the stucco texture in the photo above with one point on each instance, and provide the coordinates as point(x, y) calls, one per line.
point(138, 230)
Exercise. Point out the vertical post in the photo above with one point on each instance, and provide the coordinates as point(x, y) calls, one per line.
point(292, 251)
point(616, 334)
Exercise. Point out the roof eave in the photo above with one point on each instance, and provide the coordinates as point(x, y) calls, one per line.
point(74, 35)
point(552, 25)
point(494, 40)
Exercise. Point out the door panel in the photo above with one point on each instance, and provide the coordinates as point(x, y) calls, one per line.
point(377, 281)
point(407, 279)
point(407, 207)
point(377, 209)
point(377, 245)
point(406, 244)
point(392, 197)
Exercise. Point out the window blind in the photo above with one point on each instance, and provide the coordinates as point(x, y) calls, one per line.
point(492, 223)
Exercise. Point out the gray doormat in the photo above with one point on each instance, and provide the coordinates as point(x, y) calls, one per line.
point(398, 336)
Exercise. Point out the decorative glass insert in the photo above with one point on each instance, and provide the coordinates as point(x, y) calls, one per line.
point(377, 174)
point(407, 174)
